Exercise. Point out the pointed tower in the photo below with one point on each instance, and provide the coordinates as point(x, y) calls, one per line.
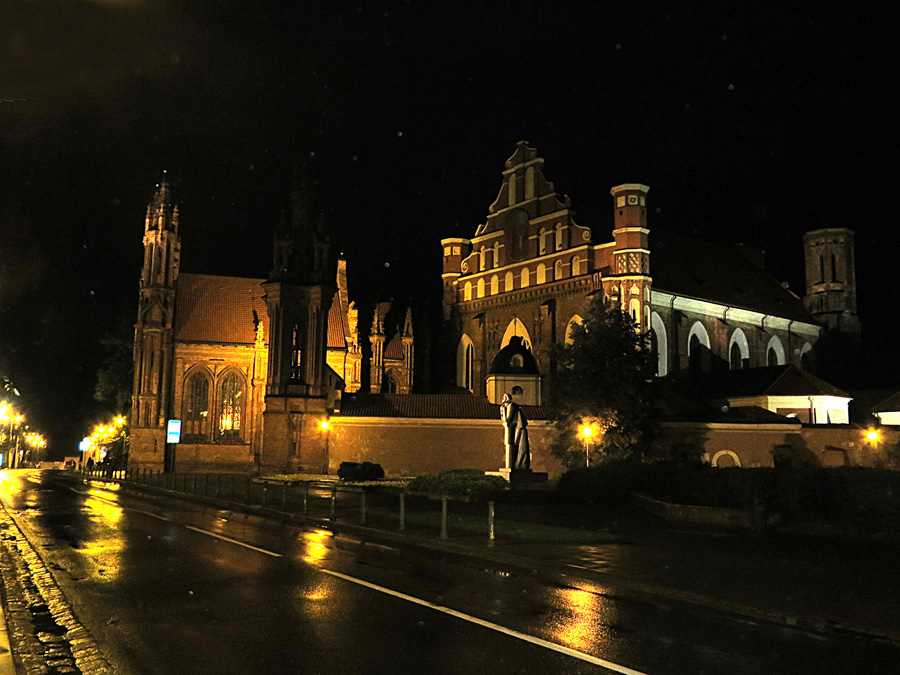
point(407, 339)
point(153, 334)
point(298, 294)
point(376, 340)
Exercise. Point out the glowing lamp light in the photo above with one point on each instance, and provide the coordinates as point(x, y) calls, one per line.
point(586, 431)
point(324, 424)
point(872, 435)
point(120, 421)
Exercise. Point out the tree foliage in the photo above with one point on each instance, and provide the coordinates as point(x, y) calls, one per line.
point(606, 379)
point(116, 374)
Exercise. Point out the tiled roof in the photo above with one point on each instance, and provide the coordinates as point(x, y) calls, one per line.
point(218, 309)
point(890, 404)
point(336, 339)
point(440, 406)
point(768, 381)
point(690, 267)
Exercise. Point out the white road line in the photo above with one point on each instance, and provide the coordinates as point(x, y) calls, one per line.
point(609, 665)
point(615, 667)
point(234, 541)
point(189, 527)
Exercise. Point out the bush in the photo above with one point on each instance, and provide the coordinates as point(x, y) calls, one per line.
point(861, 499)
point(464, 482)
point(356, 471)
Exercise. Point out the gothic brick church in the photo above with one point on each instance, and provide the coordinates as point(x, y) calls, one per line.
point(250, 366)
point(531, 268)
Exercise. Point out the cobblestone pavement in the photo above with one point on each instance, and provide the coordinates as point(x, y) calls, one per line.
point(45, 636)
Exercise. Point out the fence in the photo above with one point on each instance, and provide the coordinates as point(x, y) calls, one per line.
point(371, 506)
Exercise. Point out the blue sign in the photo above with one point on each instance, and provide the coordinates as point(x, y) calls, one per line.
point(173, 432)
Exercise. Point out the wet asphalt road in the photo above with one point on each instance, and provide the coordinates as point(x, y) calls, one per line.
point(164, 591)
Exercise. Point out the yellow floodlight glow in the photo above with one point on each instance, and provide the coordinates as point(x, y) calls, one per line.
point(872, 435)
point(586, 431)
point(324, 424)
point(120, 421)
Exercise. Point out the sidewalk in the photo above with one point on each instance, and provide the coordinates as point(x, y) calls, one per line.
point(822, 585)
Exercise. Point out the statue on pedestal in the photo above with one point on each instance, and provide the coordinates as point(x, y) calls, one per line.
point(515, 437)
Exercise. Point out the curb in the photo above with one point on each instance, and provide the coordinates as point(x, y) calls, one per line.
point(559, 573)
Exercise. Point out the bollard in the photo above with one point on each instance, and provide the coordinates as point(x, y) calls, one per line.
point(306, 499)
point(265, 492)
point(402, 525)
point(284, 485)
point(490, 523)
point(193, 483)
point(218, 483)
point(333, 497)
point(362, 507)
point(444, 517)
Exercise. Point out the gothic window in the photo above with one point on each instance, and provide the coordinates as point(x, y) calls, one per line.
point(525, 278)
point(509, 282)
point(497, 254)
point(465, 360)
point(296, 353)
point(558, 270)
point(231, 405)
point(822, 269)
point(467, 291)
point(196, 406)
point(481, 259)
point(542, 242)
point(392, 387)
point(541, 274)
point(834, 274)
point(559, 237)
point(480, 288)
point(635, 310)
point(495, 285)
point(771, 357)
point(469, 365)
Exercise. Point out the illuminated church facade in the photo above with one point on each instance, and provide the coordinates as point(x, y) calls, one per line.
point(530, 269)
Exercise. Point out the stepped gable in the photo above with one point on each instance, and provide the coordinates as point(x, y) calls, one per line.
point(690, 267)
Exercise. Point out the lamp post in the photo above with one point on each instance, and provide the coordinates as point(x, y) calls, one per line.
point(325, 426)
point(586, 432)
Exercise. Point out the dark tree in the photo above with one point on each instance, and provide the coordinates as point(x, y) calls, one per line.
point(116, 374)
point(606, 378)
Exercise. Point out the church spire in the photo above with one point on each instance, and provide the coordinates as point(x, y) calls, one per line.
point(162, 214)
point(301, 242)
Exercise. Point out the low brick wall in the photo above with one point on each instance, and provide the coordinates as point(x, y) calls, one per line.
point(684, 514)
point(410, 446)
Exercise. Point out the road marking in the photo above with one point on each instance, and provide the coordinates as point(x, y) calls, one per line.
point(189, 527)
point(234, 541)
point(609, 665)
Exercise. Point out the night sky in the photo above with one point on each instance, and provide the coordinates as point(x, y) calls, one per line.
point(751, 122)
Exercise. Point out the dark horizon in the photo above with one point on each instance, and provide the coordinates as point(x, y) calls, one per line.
point(749, 127)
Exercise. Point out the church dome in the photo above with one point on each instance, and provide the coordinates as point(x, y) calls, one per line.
point(514, 359)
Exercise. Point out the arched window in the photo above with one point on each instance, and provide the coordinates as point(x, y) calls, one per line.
point(231, 405)
point(509, 282)
point(496, 254)
point(738, 350)
point(558, 270)
point(634, 308)
point(806, 357)
point(658, 330)
point(526, 278)
point(391, 383)
point(481, 259)
point(480, 288)
point(576, 266)
point(517, 391)
point(775, 352)
point(542, 241)
point(196, 406)
point(517, 361)
point(698, 349)
point(467, 291)
point(465, 361)
point(559, 237)
point(516, 327)
point(495, 285)
point(541, 274)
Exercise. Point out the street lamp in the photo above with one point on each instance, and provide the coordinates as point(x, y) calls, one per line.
point(873, 436)
point(325, 426)
point(586, 431)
